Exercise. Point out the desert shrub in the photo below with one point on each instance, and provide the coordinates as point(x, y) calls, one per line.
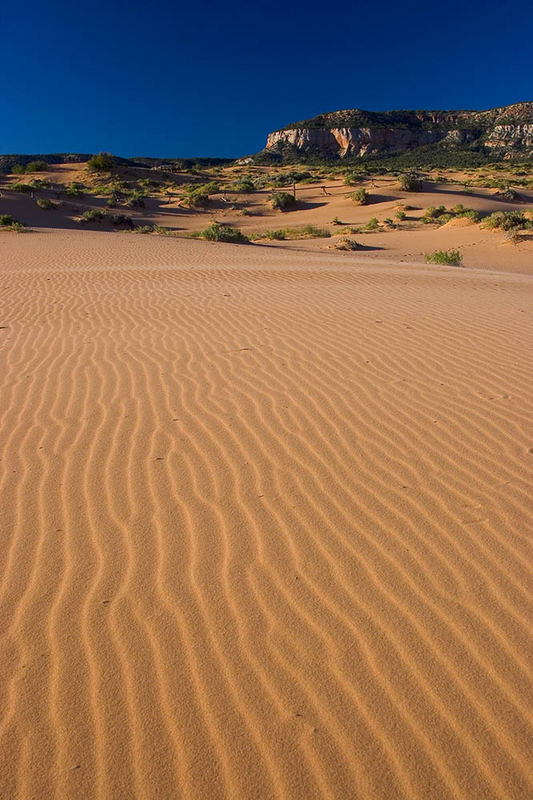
point(346, 244)
point(288, 178)
point(361, 197)
point(121, 220)
point(39, 183)
point(313, 232)
point(305, 232)
point(410, 182)
point(433, 214)
point(350, 178)
point(514, 237)
point(135, 200)
point(8, 223)
point(36, 166)
point(18, 169)
point(75, 189)
point(451, 258)
point(198, 194)
point(22, 187)
point(245, 185)
point(196, 199)
point(283, 201)
point(510, 195)
point(46, 203)
point(278, 235)
point(401, 216)
point(93, 215)
point(224, 233)
point(459, 210)
point(103, 162)
point(508, 220)
point(336, 221)
point(372, 224)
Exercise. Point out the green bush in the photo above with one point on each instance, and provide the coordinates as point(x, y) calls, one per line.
point(223, 233)
point(508, 221)
point(196, 199)
point(451, 258)
point(93, 215)
point(372, 224)
point(245, 185)
point(410, 182)
point(459, 210)
point(283, 201)
point(22, 187)
point(401, 215)
point(361, 197)
point(510, 195)
point(313, 232)
point(121, 219)
point(198, 194)
point(18, 169)
point(103, 162)
point(18, 227)
point(75, 189)
point(46, 204)
point(278, 235)
point(36, 166)
point(8, 223)
point(136, 200)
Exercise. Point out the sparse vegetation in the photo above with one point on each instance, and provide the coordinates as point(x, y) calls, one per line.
point(410, 182)
point(246, 185)
point(93, 215)
point(75, 189)
point(450, 258)
point(283, 201)
point(36, 166)
point(25, 188)
point(347, 244)
point(305, 232)
point(361, 197)
point(197, 195)
point(46, 204)
point(401, 216)
point(217, 232)
point(508, 221)
point(103, 162)
point(7, 223)
point(372, 224)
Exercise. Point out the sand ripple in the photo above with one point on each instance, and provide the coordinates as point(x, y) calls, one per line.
point(266, 527)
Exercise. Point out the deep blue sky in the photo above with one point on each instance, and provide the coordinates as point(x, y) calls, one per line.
point(208, 78)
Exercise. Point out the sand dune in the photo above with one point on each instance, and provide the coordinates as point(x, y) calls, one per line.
point(266, 524)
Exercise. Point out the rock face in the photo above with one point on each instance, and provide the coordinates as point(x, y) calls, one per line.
point(355, 133)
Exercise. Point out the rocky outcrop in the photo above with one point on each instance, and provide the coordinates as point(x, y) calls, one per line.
point(508, 130)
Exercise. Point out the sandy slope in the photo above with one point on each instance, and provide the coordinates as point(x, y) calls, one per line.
point(266, 525)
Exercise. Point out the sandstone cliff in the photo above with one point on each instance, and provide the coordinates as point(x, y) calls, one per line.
point(506, 130)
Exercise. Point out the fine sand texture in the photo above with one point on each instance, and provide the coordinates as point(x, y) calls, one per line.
point(266, 524)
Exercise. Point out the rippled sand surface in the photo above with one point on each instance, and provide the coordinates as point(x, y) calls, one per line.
point(266, 524)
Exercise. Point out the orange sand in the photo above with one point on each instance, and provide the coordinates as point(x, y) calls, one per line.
point(266, 524)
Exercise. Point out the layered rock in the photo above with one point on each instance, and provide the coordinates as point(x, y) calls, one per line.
point(508, 129)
